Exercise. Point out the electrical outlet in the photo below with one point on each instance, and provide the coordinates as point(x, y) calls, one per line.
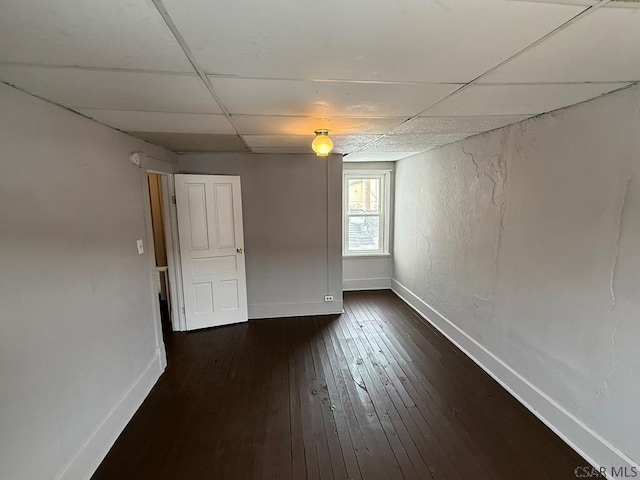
point(328, 298)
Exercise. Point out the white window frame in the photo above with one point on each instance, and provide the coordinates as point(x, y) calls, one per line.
point(385, 185)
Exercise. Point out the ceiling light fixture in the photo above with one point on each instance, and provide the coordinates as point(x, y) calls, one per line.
point(322, 144)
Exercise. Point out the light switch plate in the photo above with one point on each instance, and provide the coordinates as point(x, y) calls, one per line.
point(140, 246)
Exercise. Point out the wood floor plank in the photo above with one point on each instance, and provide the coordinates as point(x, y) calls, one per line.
point(282, 403)
point(435, 460)
point(254, 404)
point(334, 410)
point(198, 429)
point(330, 457)
point(449, 453)
point(538, 444)
point(374, 394)
point(361, 396)
point(227, 454)
point(396, 432)
point(304, 383)
point(475, 419)
point(298, 459)
point(368, 461)
point(437, 404)
point(276, 462)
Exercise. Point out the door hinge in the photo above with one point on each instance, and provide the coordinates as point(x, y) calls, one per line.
point(173, 199)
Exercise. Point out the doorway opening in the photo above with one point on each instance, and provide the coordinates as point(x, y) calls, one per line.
point(163, 290)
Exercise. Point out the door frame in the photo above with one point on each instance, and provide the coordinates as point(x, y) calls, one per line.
point(170, 221)
point(166, 170)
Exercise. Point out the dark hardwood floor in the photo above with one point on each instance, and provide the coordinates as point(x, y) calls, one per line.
point(375, 393)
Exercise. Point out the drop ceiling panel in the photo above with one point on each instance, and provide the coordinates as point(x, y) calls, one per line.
point(348, 143)
point(623, 4)
point(341, 143)
point(348, 99)
point(194, 142)
point(518, 99)
point(463, 124)
point(278, 140)
point(603, 46)
point(113, 34)
point(161, 122)
point(586, 3)
point(377, 157)
point(412, 40)
point(284, 150)
point(113, 90)
point(291, 125)
point(412, 142)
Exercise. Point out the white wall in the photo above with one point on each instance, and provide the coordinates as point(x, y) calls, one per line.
point(370, 272)
point(289, 213)
point(78, 349)
point(527, 240)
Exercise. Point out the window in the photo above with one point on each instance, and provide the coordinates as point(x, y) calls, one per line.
point(366, 213)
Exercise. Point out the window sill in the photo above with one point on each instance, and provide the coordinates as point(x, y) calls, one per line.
point(360, 256)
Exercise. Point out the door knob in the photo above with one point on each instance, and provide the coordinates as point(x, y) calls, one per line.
point(239, 250)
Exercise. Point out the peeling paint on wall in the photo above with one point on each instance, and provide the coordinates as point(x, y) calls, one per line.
point(527, 238)
point(617, 247)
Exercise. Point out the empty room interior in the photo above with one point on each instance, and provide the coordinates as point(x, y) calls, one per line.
point(383, 239)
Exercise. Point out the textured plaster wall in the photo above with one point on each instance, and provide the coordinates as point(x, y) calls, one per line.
point(528, 239)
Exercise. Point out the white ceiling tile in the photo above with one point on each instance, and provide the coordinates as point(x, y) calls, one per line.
point(348, 143)
point(377, 157)
point(518, 99)
point(278, 140)
point(603, 46)
point(623, 4)
point(348, 99)
point(341, 143)
point(161, 121)
point(194, 142)
point(412, 142)
point(283, 150)
point(108, 34)
point(291, 125)
point(411, 40)
point(463, 124)
point(114, 90)
point(586, 3)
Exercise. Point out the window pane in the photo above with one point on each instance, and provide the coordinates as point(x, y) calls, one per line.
point(364, 195)
point(363, 234)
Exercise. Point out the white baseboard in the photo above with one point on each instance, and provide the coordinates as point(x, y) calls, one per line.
point(381, 283)
point(87, 460)
point(589, 444)
point(277, 310)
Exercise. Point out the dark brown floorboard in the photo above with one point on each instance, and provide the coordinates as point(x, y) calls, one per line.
point(375, 393)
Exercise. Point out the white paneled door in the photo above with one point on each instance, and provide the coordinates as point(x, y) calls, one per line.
point(211, 249)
